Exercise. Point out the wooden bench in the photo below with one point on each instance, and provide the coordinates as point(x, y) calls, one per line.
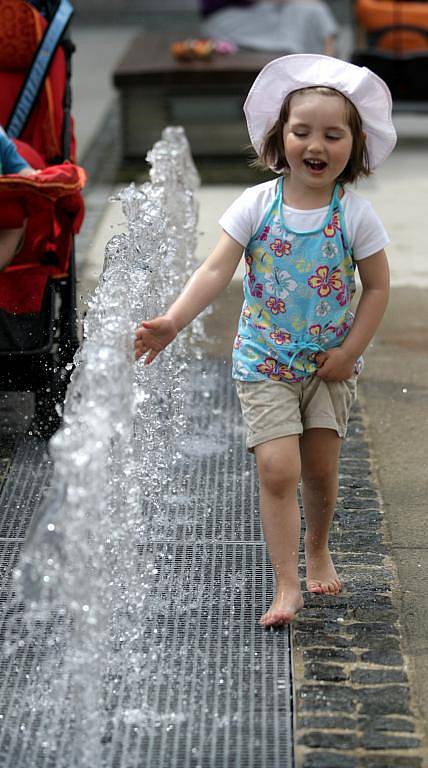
point(205, 97)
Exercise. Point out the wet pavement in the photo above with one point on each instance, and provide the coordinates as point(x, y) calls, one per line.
point(359, 660)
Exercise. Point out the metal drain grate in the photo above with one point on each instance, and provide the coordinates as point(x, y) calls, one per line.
point(27, 479)
point(218, 685)
point(218, 690)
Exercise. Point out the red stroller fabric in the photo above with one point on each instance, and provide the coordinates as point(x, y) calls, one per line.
point(51, 200)
point(53, 205)
point(21, 30)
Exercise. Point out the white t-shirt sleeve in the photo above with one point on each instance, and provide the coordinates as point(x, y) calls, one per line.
point(365, 229)
point(237, 221)
point(243, 218)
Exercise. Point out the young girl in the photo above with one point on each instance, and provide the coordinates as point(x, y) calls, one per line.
point(320, 123)
point(11, 162)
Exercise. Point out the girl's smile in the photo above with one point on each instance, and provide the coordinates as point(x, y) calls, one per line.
point(317, 145)
point(315, 166)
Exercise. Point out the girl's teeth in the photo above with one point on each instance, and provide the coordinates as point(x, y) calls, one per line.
point(317, 164)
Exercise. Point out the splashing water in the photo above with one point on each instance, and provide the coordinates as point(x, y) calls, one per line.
point(84, 582)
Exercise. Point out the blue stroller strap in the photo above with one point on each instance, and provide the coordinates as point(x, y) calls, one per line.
point(39, 68)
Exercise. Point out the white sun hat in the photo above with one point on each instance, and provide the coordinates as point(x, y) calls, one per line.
point(368, 92)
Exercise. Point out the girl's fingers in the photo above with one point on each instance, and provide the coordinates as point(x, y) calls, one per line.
point(141, 332)
point(321, 358)
point(140, 345)
point(150, 356)
point(324, 371)
point(142, 327)
point(140, 351)
point(140, 348)
point(153, 324)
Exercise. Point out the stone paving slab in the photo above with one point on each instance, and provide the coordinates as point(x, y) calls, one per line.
point(354, 706)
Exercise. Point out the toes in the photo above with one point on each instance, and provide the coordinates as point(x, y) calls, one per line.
point(324, 587)
point(267, 619)
point(272, 619)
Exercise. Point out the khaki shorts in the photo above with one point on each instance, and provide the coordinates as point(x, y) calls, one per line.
point(273, 409)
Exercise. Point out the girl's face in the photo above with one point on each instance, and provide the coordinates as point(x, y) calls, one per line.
point(317, 141)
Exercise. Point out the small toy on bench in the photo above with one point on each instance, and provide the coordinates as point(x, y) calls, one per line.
point(201, 49)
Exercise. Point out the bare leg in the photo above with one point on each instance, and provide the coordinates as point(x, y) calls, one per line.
point(320, 451)
point(10, 240)
point(278, 463)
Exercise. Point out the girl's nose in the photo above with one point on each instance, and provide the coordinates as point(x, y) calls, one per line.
point(315, 144)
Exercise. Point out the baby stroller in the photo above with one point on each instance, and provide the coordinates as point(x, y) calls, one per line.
point(38, 322)
point(396, 33)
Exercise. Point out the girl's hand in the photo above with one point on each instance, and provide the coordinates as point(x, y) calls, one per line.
point(152, 336)
point(335, 365)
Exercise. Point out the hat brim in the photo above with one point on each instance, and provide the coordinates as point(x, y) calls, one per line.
point(368, 92)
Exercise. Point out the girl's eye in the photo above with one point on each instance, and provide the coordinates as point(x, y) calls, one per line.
point(300, 134)
point(332, 138)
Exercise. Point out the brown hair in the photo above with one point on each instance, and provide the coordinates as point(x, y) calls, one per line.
point(272, 151)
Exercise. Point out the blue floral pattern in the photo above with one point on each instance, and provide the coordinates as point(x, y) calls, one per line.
point(298, 289)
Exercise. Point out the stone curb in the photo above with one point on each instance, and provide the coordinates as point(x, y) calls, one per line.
point(353, 701)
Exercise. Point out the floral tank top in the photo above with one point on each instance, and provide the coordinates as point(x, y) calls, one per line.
point(297, 293)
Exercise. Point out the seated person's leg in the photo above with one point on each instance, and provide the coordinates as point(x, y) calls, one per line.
point(10, 244)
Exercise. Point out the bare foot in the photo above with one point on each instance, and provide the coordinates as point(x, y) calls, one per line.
point(321, 575)
point(284, 607)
